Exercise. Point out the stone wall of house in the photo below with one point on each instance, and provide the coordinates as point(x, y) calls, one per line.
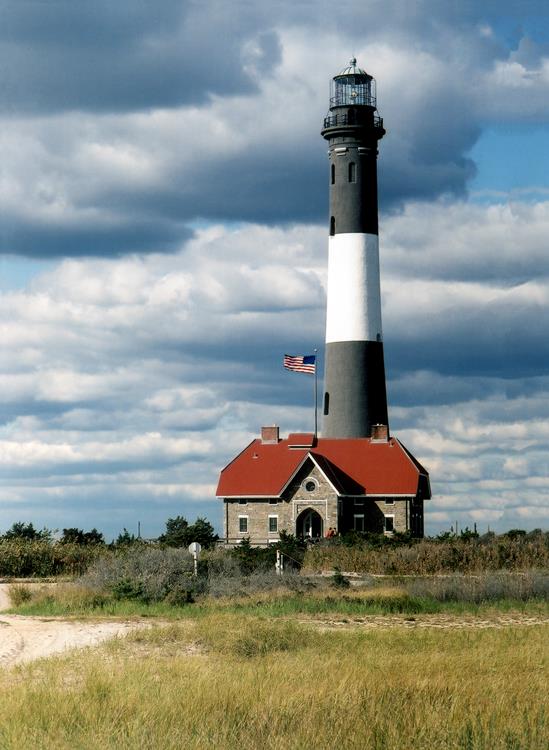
point(297, 499)
point(374, 511)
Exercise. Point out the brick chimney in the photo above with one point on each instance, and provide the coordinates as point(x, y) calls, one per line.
point(380, 432)
point(270, 435)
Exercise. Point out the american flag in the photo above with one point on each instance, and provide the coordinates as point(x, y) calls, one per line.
point(304, 363)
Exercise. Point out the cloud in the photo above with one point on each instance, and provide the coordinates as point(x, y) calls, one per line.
point(120, 134)
point(132, 381)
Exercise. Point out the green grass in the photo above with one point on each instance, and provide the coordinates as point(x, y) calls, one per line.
point(111, 608)
point(240, 681)
point(71, 600)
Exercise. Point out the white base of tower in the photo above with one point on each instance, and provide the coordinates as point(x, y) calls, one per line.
point(354, 297)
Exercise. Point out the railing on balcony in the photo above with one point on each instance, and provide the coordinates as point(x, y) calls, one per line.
point(351, 118)
point(346, 96)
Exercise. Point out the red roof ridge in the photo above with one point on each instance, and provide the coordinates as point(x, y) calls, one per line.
point(415, 463)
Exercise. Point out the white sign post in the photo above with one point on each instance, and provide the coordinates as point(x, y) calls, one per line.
point(194, 549)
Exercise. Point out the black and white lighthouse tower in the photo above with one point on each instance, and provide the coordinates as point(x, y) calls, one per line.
point(355, 396)
point(355, 477)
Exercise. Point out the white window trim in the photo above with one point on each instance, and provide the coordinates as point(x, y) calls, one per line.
point(389, 515)
point(269, 524)
point(239, 531)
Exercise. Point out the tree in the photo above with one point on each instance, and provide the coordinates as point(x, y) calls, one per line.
point(84, 538)
point(21, 530)
point(176, 532)
point(124, 539)
point(180, 534)
point(202, 531)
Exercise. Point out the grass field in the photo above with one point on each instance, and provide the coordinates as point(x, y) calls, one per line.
point(265, 672)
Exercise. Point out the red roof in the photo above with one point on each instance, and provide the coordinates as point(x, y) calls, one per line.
point(354, 466)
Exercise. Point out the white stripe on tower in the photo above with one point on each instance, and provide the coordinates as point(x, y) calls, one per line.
point(354, 297)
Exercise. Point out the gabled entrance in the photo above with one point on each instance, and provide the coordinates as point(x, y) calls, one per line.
point(309, 524)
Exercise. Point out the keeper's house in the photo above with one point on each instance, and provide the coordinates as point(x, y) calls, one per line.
point(305, 485)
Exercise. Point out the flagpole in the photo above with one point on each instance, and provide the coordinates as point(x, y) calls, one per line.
point(316, 396)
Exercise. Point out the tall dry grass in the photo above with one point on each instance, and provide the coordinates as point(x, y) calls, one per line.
point(42, 559)
point(229, 681)
point(431, 557)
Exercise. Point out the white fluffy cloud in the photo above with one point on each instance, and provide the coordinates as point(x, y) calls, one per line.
point(133, 381)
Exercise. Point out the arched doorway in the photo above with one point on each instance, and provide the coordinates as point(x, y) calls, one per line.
point(309, 524)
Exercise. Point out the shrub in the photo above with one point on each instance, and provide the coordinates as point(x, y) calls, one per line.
point(148, 574)
point(19, 594)
point(482, 588)
point(339, 581)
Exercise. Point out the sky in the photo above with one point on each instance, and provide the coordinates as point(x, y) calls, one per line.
point(163, 242)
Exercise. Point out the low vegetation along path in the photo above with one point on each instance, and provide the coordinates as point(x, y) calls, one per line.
point(443, 621)
point(23, 639)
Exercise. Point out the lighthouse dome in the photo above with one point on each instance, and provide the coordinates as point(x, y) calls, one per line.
point(352, 69)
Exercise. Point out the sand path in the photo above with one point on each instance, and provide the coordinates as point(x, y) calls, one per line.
point(24, 639)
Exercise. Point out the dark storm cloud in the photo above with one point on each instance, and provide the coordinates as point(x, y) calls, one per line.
point(88, 89)
point(124, 55)
point(33, 240)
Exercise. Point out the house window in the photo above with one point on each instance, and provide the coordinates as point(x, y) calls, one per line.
point(358, 522)
point(352, 171)
point(389, 501)
point(333, 174)
point(389, 524)
point(273, 524)
point(243, 524)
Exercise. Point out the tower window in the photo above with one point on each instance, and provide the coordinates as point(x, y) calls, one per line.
point(352, 171)
point(333, 170)
point(326, 403)
point(332, 226)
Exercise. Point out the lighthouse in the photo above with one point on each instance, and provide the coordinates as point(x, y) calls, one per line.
point(354, 478)
point(355, 398)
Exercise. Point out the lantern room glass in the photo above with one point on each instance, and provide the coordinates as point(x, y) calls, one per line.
point(353, 90)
